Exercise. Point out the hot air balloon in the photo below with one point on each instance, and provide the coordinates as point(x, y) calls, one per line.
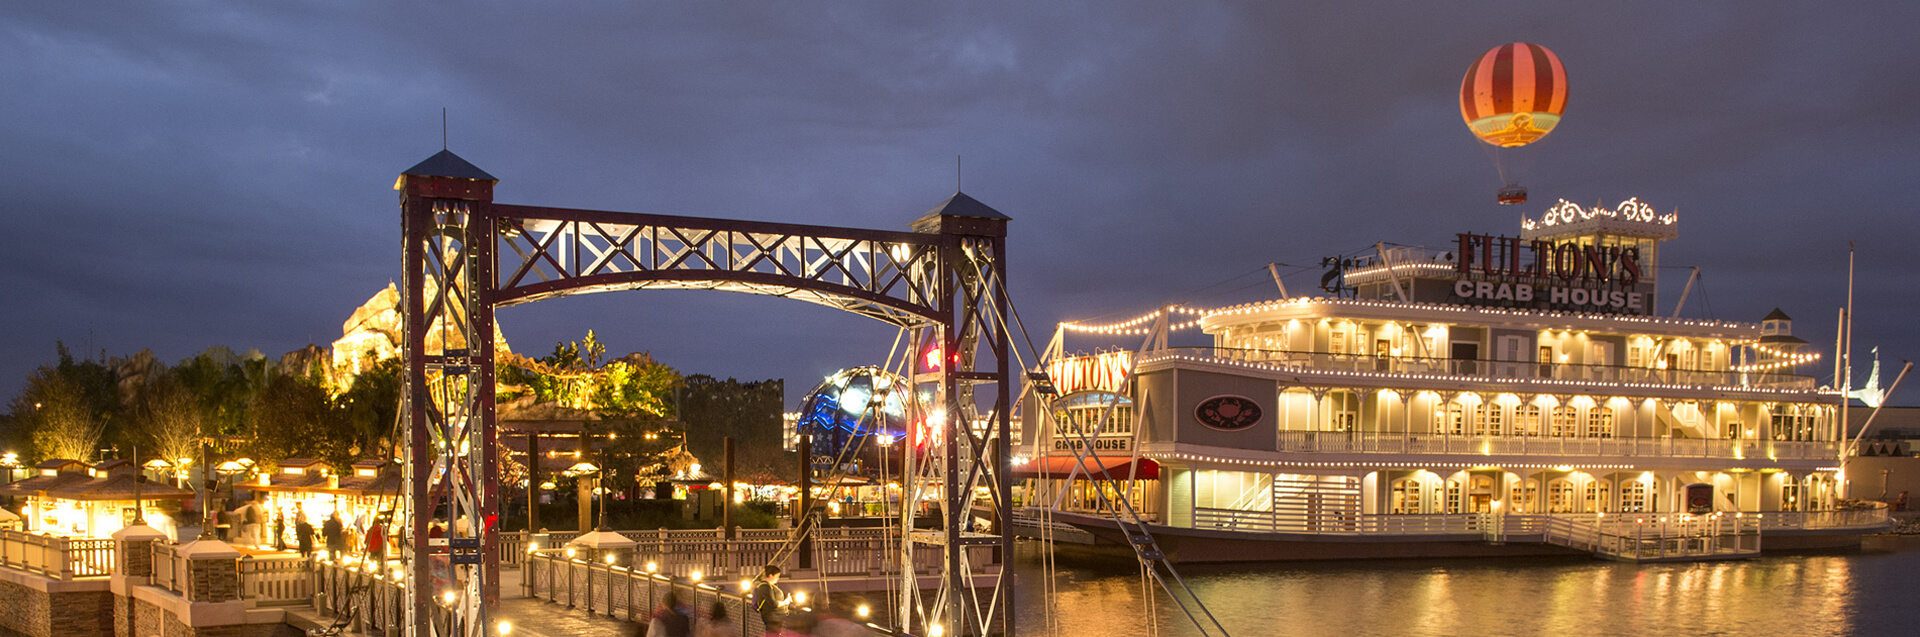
point(1513, 96)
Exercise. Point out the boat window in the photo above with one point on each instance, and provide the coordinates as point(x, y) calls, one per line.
point(1599, 496)
point(1560, 495)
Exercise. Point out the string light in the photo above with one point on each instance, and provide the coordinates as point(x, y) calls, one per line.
point(1567, 212)
point(1130, 327)
point(1788, 362)
point(1303, 301)
point(1194, 457)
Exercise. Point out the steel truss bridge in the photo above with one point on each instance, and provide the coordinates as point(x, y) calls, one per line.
point(466, 256)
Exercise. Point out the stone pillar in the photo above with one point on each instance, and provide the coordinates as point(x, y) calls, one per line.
point(134, 544)
point(213, 571)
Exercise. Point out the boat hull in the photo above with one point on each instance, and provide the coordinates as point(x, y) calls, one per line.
point(1199, 546)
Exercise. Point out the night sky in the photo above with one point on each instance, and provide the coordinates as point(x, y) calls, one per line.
point(181, 174)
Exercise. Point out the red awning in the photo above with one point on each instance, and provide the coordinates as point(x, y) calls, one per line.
point(1115, 468)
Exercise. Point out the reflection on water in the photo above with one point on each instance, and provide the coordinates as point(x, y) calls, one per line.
point(1874, 592)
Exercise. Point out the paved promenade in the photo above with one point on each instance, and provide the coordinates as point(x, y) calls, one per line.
point(530, 617)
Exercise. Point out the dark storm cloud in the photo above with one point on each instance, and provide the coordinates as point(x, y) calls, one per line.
point(185, 174)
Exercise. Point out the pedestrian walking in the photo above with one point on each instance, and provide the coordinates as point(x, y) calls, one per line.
point(335, 534)
point(768, 599)
point(377, 542)
point(303, 536)
point(717, 623)
point(672, 620)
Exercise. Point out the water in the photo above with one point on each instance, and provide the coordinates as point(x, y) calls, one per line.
point(1872, 592)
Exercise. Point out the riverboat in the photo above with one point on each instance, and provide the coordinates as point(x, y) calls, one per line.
point(1500, 395)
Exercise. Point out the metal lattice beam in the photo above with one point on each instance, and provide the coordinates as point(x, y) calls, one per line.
point(466, 256)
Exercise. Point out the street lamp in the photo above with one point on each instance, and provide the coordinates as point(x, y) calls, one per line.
point(581, 470)
point(157, 465)
point(10, 461)
point(232, 469)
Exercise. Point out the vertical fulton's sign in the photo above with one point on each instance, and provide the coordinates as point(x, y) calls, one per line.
point(1511, 271)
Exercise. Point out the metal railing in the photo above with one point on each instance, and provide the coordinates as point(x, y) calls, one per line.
point(838, 551)
point(1492, 369)
point(1860, 519)
point(1339, 522)
point(634, 595)
point(57, 557)
point(364, 590)
point(1657, 536)
point(1403, 443)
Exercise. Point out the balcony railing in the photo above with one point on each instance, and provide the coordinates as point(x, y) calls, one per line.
point(56, 557)
point(1506, 526)
point(1471, 368)
point(1403, 443)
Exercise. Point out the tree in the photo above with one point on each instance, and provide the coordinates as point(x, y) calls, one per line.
point(59, 420)
point(291, 417)
point(713, 410)
point(370, 408)
point(169, 417)
point(224, 386)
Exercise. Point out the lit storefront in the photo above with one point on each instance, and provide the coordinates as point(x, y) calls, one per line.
point(69, 498)
point(307, 487)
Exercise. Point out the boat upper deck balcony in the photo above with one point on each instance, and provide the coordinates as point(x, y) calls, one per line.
point(1415, 344)
point(1409, 370)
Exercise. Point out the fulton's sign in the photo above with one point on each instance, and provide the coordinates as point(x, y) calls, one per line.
point(1512, 271)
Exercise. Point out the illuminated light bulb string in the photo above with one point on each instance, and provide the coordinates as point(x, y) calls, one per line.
point(1133, 326)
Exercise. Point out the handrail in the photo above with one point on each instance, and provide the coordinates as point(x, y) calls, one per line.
point(634, 594)
point(1544, 445)
point(57, 557)
point(1307, 360)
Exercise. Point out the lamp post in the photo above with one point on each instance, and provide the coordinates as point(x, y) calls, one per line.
point(232, 470)
point(158, 465)
point(581, 470)
point(10, 461)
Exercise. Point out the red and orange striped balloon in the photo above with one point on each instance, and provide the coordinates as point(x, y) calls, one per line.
point(1514, 95)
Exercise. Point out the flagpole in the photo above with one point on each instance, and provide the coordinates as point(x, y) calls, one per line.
point(1846, 373)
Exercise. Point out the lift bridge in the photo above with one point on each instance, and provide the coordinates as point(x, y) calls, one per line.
point(466, 256)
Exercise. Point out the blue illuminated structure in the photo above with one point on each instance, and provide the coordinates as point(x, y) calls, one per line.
point(861, 409)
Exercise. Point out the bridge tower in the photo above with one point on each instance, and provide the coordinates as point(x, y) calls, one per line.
point(465, 256)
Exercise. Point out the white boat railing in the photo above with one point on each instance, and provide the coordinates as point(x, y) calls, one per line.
point(1492, 369)
point(1522, 524)
point(1403, 443)
point(1657, 536)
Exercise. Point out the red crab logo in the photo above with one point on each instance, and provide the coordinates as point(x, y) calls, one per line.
point(1228, 413)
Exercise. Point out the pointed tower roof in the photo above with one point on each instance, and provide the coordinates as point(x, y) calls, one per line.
point(1777, 315)
point(960, 205)
point(961, 214)
point(447, 164)
point(446, 176)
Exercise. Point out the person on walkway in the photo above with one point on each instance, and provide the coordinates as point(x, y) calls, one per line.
point(376, 542)
point(252, 520)
point(768, 599)
point(303, 535)
point(717, 623)
point(672, 620)
point(336, 535)
point(831, 625)
point(280, 532)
